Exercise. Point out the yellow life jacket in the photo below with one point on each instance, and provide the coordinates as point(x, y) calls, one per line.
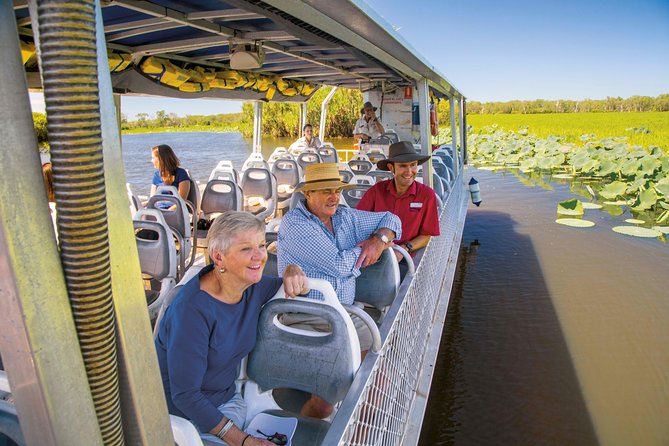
point(165, 71)
point(118, 61)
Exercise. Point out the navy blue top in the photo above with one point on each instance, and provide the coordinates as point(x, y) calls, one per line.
point(200, 344)
point(179, 176)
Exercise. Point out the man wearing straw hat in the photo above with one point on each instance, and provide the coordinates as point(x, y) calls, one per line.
point(368, 126)
point(332, 243)
point(414, 203)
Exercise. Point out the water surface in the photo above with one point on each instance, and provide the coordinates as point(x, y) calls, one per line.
point(554, 335)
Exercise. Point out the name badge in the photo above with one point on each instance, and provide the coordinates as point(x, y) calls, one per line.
point(415, 205)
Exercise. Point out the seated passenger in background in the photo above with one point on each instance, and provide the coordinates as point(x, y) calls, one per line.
point(368, 126)
point(168, 172)
point(211, 327)
point(332, 243)
point(308, 140)
point(412, 201)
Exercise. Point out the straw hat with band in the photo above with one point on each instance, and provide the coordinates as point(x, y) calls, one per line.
point(367, 105)
point(321, 176)
point(402, 152)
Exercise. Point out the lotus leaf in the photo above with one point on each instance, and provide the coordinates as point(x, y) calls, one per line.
point(649, 165)
point(488, 168)
point(616, 203)
point(634, 221)
point(592, 206)
point(662, 229)
point(663, 204)
point(592, 192)
point(563, 176)
point(637, 231)
point(635, 185)
point(575, 222)
point(630, 167)
point(663, 217)
point(570, 207)
point(614, 211)
point(613, 190)
point(646, 200)
point(662, 186)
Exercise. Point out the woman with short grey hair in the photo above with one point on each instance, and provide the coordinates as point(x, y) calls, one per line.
point(212, 325)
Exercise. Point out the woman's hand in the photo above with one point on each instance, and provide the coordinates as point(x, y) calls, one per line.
point(294, 281)
point(255, 441)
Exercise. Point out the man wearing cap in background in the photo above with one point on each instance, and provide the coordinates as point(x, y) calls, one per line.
point(368, 126)
point(332, 243)
point(413, 202)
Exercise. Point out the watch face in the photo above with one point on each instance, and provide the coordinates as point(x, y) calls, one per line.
point(384, 238)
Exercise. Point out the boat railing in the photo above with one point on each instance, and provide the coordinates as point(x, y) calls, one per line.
point(384, 405)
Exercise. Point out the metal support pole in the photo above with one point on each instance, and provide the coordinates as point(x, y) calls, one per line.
point(324, 112)
point(303, 118)
point(425, 136)
point(257, 127)
point(454, 135)
point(463, 130)
point(39, 345)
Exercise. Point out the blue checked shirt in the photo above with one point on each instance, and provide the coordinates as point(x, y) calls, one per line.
point(304, 240)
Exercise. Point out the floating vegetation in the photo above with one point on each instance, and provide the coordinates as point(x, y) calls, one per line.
point(570, 207)
point(617, 173)
point(575, 222)
point(662, 229)
point(634, 221)
point(587, 205)
point(637, 231)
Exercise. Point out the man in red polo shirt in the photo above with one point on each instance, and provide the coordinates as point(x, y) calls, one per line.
point(413, 202)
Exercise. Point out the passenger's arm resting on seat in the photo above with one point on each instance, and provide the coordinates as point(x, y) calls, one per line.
point(383, 223)
point(184, 189)
point(373, 247)
point(294, 281)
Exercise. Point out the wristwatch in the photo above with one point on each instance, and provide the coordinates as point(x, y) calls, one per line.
point(408, 247)
point(384, 238)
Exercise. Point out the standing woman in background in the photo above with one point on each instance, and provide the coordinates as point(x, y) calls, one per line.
point(168, 172)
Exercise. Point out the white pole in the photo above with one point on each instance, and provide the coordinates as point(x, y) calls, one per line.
point(454, 140)
point(425, 136)
point(257, 127)
point(324, 110)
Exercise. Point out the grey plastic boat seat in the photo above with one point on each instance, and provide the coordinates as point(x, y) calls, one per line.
point(220, 196)
point(157, 258)
point(375, 157)
point(353, 195)
point(271, 267)
point(177, 218)
point(392, 136)
point(438, 186)
point(377, 284)
point(380, 175)
point(316, 364)
point(328, 154)
point(360, 166)
point(446, 158)
point(224, 170)
point(306, 158)
point(10, 429)
point(367, 180)
point(442, 170)
point(287, 173)
point(259, 192)
point(346, 175)
point(135, 202)
point(169, 297)
point(294, 199)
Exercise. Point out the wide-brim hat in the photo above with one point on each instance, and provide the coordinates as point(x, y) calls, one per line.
point(367, 105)
point(321, 176)
point(401, 152)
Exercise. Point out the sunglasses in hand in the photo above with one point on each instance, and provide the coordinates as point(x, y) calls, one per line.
point(276, 438)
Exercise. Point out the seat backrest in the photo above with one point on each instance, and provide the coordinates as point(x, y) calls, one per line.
point(353, 195)
point(287, 173)
point(9, 425)
point(271, 267)
point(380, 175)
point(135, 202)
point(362, 179)
point(392, 136)
point(224, 170)
point(441, 169)
point(328, 154)
point(259, 183)
point(294, 199)
point(378, 283)
point(360, 165)
point(376, 156)
point(305, 158)
point(255, 160)
point(177, 218)
point(221, 196)
point(438, 185)
point(319, 363)
point(156, 249)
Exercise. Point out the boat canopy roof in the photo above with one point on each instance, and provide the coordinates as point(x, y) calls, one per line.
point(182, 49)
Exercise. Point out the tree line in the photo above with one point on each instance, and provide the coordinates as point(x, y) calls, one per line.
point(281, 119)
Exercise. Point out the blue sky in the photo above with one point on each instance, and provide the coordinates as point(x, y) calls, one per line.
point(495, 50)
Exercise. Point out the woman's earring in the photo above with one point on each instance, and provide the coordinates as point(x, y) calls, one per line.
point(222, 270)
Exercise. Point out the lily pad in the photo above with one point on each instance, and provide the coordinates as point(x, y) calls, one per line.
point(662, 229)
point(637, 231)
point(575, 222)
point(488, 168)
point(616, 203)
point(634, 221)
point(613, 190)
point(563, 176)
point(592, 206)
point(570, 207)
point(662, 186)
point(645, 200)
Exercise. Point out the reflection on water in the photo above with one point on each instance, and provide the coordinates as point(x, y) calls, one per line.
point(554, 335)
